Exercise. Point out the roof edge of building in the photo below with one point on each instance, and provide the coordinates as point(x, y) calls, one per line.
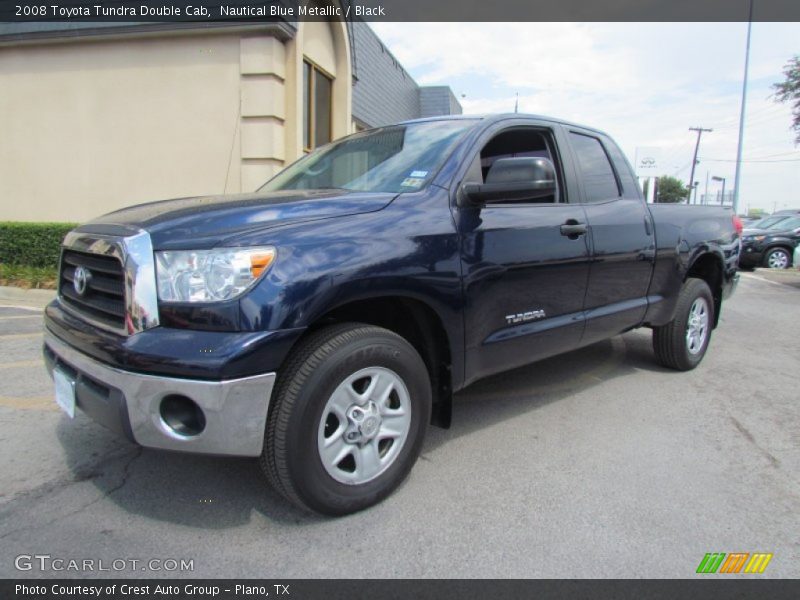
point(44, 32)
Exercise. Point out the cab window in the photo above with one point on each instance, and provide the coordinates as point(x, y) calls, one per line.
point(513, 143)
point(599, 181)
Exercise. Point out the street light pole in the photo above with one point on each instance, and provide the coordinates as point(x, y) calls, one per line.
point(722, 179)
point(741, 113)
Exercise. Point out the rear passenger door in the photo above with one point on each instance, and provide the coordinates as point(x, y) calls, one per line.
point(621, 237)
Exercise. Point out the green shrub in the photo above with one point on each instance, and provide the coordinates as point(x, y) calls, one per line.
point(32, 244)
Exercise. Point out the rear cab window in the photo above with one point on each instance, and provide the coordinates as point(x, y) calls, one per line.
point(599, 179)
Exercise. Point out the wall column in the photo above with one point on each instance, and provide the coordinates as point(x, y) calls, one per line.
point(263, 109)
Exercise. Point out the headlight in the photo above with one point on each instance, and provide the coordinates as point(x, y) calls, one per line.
point(759, 238)
point(210, 275)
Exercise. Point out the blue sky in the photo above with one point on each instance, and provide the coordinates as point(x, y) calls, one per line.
point(644, 83)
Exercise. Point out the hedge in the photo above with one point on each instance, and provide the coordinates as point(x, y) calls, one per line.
point(32, 244)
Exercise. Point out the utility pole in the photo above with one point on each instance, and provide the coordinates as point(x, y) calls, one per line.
point(738, 174)
point(699, 131)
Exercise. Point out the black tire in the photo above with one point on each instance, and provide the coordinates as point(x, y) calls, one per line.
point(670, 340)
point(778, 256)
point(291, 459)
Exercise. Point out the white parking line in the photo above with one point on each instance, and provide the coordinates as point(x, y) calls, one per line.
point(20, 336)
point(21, 364)
point(14, 317)
point(45, 403)
point(753, 276)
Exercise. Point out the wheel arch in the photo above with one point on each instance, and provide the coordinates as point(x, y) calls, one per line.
point(709, 267)
point(419, 324)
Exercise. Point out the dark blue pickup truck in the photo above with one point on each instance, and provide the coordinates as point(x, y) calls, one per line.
point(324, 321)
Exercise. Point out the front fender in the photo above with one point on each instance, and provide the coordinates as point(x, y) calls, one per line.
point(409, 249)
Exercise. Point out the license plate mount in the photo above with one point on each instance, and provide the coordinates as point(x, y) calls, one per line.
point(65, 392)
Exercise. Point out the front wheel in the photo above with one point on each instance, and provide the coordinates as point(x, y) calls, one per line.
point(778, 258)
point(682, 343)
point(348, 419)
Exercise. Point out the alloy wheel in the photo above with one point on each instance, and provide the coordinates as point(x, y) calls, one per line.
point(697, 326)
point(778, 260)
point(364, 425)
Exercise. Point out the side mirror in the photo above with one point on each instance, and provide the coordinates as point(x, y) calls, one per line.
point(512, 179)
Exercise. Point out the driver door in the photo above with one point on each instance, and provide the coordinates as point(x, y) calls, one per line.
point(525, 274)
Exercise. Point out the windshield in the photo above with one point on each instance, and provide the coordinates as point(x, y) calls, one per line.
point(766, 222)
point(399, 158)
point(790, 223)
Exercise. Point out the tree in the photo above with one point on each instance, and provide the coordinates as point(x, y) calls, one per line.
point(788, 91)
point(671, 189)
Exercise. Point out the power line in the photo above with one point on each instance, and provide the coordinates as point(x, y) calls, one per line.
point(675, 174)
point(674, 157)
point(752, 161)
point(791, 153)
point(763, 112)
point(756, 158)
point(755, 118)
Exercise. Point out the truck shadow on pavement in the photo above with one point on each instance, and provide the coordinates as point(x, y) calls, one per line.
point(218, 493)
point(510, 394)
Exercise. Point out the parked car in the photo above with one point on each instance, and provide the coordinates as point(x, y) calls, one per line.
point(322, 322)
point(749, 221)
point(771, 246)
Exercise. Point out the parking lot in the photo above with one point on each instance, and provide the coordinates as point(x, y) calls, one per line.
point(597, 463)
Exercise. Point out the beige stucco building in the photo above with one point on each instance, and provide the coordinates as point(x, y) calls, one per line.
point(93, 119)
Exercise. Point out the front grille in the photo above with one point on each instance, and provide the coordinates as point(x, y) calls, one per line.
point(104, 297)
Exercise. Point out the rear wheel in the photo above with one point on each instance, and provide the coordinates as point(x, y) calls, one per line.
point(778, 258)
point(682, 343)
point(347, 420)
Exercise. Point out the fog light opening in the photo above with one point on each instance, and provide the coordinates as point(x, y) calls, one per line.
point(182, 415)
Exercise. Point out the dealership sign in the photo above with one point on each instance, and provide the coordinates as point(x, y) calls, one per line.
point(648, 162)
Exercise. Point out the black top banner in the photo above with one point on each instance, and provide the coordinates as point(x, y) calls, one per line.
point(213, 11)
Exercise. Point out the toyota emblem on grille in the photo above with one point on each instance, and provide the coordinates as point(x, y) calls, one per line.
point(80, 281)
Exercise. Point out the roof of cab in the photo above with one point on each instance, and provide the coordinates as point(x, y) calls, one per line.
point(493, 118)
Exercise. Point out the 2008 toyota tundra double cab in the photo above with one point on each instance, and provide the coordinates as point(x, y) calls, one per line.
point(324, 321)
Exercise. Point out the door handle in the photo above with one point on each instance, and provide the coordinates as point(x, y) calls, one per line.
point(572, 229)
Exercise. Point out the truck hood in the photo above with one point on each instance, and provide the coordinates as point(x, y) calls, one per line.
point(207, 221)
point(747, 231)
point(752, 231)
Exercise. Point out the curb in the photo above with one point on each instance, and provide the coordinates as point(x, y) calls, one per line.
point(25, 298)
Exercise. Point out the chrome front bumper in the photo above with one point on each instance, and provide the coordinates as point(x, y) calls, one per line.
point(235, 410)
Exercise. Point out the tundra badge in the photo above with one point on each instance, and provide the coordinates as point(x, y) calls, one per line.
point(531, 315)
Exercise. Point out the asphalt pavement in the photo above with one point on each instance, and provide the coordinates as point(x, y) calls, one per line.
point(596, 463)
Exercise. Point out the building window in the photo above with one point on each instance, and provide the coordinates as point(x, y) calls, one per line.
point(317, 106)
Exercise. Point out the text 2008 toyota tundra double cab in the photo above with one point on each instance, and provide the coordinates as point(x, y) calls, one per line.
point(324, 321)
